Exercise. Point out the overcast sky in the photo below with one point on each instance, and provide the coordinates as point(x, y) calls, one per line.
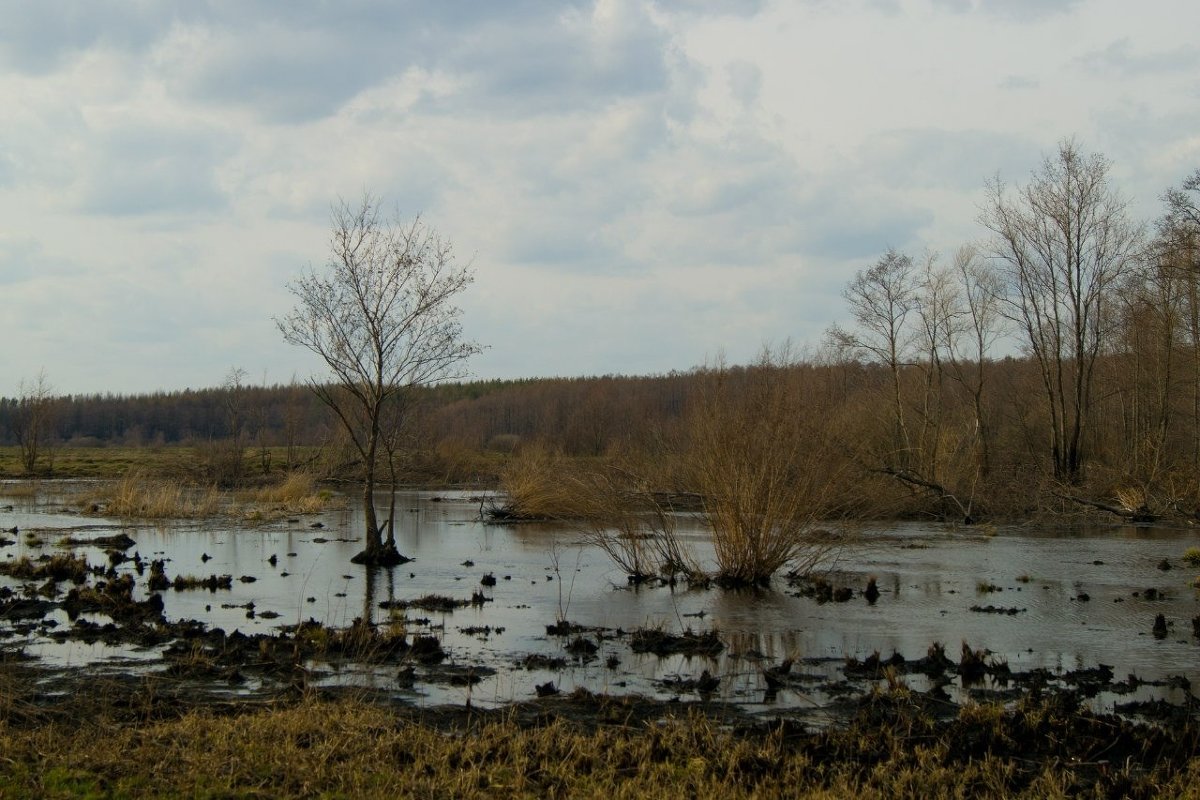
point(639, 185)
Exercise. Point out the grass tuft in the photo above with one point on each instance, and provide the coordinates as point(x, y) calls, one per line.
point(138, 496)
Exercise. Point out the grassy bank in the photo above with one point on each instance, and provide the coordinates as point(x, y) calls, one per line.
point(445, 466)
point(103, 462)
point(584, 746)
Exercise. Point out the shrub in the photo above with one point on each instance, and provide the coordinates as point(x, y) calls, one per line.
point(761, 455)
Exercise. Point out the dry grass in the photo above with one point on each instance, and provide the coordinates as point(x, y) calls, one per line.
point(20, 489)
point(352, 749)
point(60, 567)
point(138, 496)
point(611, 502)
point(296, 493)
point(535, 486)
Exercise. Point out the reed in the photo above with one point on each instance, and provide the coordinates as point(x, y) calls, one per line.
point(138, 496)
point(536, 485)
point(296, 493)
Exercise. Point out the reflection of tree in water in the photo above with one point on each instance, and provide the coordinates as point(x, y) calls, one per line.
point(372, 576)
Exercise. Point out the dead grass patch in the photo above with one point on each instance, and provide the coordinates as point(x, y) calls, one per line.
point(296, 493)
point(349, 748)
point(139, 496)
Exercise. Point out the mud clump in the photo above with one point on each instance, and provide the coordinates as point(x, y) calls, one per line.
point(870, 667)
point(118, 541)
point(704, 685)
point(582, 648)
point(871, 593)
point(115, 598)
point(57, 568)
point(430, 602)
point(563, 628)
point(427, 650)
point(990, 609)
point(661, 643)
point(539, 661)
point(212, 582)
point(158, 576)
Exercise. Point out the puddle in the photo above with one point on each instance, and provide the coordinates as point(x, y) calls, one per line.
point(1052, 599)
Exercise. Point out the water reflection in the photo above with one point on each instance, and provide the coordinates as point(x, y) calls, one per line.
point(930, 579)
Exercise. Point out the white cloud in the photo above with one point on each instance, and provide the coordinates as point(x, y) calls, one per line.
point(640, 184)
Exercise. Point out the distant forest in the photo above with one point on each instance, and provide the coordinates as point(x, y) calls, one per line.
point(582, 416)
point(908, 409)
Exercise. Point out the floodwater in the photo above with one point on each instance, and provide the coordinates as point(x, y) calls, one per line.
point(1079, 596)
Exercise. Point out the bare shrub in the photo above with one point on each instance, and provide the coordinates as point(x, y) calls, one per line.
point(619, 512)
point(610, 502)
point(535, 489)
point(762, 455)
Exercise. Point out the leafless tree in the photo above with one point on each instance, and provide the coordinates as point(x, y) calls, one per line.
point(382, 317)
point(882, 299)
point(33, 422)
point(1064, 241)
point(1178, 247)
point(228, 465)
point(976, 325)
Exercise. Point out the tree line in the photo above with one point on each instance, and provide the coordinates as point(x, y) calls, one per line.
point(1054, 364)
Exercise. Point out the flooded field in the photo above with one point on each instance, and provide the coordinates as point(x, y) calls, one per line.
point(1048, 606)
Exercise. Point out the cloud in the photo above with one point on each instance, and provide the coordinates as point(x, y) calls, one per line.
point(1019, 10)
point(39, 38)
point(137, 170)
point(927, 158)
point(1119, 58)
point(745, 82)
point(1019, 82)
point(641, 183)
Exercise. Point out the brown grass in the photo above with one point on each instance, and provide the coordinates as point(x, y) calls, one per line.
point(535, 486)
point(350, 748)
point(138, 496)
point(296, 493)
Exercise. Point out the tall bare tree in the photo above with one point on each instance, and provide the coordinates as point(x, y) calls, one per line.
point(1065, 241)
point(1178, 245)
point(976, 325)
point(382, 316)
point(882, 299)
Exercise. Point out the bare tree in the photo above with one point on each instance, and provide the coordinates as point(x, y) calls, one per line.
point(977, 324)
point(1065, 241)
point(382, 317)
point(224, 459)
point(881, 299)
point(1178, 245)
point(33, 422)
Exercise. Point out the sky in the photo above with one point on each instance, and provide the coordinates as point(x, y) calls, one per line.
point(639, 187)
